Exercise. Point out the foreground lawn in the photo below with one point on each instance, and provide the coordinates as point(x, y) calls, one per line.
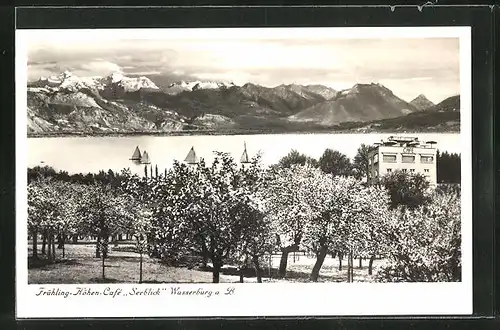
point(299, 270)
point(122, 266)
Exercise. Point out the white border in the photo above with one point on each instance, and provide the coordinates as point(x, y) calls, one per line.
point(252, 299)
point(310, 33)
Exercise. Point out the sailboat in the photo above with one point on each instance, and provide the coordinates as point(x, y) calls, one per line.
point(145, 158)
point(191, 157)
point(137, 154)
point(244, 157)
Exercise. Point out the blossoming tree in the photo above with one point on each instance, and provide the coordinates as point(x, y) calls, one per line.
point(424, 244)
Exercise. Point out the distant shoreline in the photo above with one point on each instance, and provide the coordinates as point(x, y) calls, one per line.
point(234, 132)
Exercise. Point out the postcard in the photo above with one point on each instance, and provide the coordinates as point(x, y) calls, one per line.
point(243, 172)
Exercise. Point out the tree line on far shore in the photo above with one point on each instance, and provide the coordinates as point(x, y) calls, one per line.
point(332, 161)
point(448, 165)
point(225, 213)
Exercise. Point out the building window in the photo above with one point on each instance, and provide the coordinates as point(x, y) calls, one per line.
point(426, 159)
point(389, 158)
point(389, 170)
point(404, 170)
point(408, 159)
point(426, 170)
point(412, 170)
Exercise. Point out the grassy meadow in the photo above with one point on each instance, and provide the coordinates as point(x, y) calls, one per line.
point(122, 266)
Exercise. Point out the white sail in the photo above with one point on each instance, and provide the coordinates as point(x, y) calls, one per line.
point(137, 154)
point(145, 158)
point(244, 157)
point(191, 157)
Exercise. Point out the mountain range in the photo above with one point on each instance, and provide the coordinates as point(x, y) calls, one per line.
point(421, 102)
point(362, 102)
point(68, 104)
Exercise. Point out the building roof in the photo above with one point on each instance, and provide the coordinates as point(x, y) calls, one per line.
point(145, 158)
point(137, 154)
point(404, 141)
point(402, 138)
point(244, 156)
point(191, 157)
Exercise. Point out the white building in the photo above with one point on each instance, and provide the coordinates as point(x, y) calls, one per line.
point(407, 154)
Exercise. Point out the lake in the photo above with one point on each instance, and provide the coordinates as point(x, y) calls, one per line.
point(92, 154)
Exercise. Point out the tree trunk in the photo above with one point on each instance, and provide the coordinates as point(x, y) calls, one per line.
point(270, 263)
point(258, 271)
point(243, 268)
point(51, 253)
point(348, 268)
point(351, 267)
point(140, 267)
point(75, 239)
point(98, 247)
point(242, 280)
point(52, 238)
point(35, 243)
point(49, 249)
point(216, 271)
point(360, 262)
point(44, 241)
point(319, 262)
point(340, 261)
point(285, 251)
point(370, 265)
point(204, 253)
point(60, 241)
point(105, 242)
point(283, 263)
point(103, 266)
point(215, 275)
point(63, 243)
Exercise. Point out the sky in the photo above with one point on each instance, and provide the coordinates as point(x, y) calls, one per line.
point(408, 67)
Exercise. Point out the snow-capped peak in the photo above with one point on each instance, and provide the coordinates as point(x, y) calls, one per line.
point(66, 74)
point(73, 82)
point(182, 84)
point(131, 84)
point(70, 81)
point(211, 85)
point(201, 84)
point(116, 77)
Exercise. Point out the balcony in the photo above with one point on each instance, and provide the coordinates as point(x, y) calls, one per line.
point(426, 160)
point(408, 159)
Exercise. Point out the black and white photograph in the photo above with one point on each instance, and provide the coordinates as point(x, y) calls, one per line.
point(290, 163)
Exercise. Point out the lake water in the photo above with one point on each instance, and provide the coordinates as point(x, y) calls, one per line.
point(92, 154)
